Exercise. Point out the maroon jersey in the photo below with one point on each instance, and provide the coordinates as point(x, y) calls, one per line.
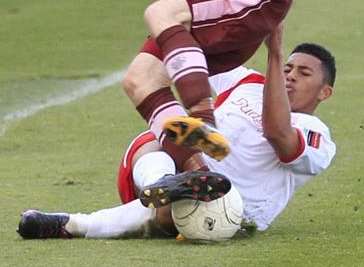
point(230, 31)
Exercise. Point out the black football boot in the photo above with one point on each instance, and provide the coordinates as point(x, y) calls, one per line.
point(39, 225)
point(199, 185)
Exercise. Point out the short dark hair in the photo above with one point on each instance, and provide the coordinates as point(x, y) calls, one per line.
point(324, 55)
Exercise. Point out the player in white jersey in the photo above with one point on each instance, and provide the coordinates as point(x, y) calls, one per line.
point(265, 181)
point(277, 145)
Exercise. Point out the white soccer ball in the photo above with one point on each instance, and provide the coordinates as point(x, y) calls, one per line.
point(217, 220)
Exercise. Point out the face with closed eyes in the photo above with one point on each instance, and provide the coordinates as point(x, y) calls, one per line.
point(305, 82)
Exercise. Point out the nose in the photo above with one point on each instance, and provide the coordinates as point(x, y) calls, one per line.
point(291, 75)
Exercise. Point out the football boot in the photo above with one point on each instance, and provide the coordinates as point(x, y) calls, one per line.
point(39, 225)
point(198, 185)
point(193, 132)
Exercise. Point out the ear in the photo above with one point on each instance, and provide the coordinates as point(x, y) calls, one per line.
point(325, 92)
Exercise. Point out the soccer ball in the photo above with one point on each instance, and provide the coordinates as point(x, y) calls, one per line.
point(217, 220)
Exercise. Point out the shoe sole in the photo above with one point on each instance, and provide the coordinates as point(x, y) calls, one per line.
point(193, 132)
point(198, 185)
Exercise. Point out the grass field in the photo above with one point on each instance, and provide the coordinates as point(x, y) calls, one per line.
point(65, 158)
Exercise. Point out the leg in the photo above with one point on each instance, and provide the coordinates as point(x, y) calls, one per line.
point(148, 164)
point(145, 74)
point(130, 219)
point(184, 60)
point(161, 15)
point(143, 143)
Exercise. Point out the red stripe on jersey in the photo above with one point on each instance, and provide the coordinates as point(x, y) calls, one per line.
point(125, 180)
point(252, 78)
point(300, 149)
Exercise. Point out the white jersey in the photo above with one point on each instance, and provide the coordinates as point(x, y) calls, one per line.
point(265, 182)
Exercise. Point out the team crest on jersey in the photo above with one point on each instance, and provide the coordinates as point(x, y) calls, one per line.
point(313, 139)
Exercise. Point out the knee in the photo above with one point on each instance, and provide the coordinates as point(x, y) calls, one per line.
point(130, 83)
point(152, 10)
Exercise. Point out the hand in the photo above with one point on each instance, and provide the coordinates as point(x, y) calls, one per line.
point(274, 41)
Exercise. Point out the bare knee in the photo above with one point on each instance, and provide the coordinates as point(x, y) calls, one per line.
point(130, 83)
point(152, 8)
point(153, 11)
point(145, 75)
point(135, 80)
point(161, 15)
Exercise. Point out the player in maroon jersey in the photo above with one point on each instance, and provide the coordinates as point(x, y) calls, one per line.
point(192, 39)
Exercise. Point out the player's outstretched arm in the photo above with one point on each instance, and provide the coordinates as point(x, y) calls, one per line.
point(276, 108)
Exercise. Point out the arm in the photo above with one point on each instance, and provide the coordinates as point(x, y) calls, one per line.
point(276, 108)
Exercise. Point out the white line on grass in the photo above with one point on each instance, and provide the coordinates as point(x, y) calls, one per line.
point(87, 88)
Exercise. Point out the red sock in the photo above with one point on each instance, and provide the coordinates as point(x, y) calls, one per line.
point(185, 158)
point(204, 110)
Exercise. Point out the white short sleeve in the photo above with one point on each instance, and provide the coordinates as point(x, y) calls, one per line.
point(319, 149)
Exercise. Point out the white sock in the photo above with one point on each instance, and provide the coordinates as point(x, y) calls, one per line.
point(78, 224)
point(115, 222)
point(131, 217)
point(151, 167)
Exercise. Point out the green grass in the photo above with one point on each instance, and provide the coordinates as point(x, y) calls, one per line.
point(42, 38)
point(65, 158)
